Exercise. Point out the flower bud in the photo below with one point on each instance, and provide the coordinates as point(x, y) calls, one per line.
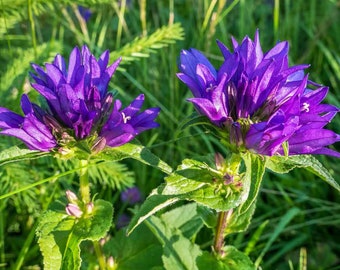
point(219, 161)
point(228, 179)
point(98, 145)
point(65, 152)
point(110, 262)
point(73, 210)
point(51, 122)
point(236, 134)
point(107, 104)
point(89, 207)
point(71, 197)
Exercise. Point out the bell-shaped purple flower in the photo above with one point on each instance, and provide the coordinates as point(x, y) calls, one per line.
point(78, 106)
point(259, 101)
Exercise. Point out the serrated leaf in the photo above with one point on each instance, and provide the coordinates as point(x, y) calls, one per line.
point(179, 252)
point(280, 164)
point(60, 235)
point(136, 151)
point(14, 154)
point(193, 181)
point(232, 260)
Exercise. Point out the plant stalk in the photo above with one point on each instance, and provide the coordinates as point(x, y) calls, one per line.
point(100, 255)
point(84, 182)
point(222, 222)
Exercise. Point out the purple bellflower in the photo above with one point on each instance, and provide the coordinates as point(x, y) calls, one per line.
point(78, 106)
point(258, 101)
point(131, 195)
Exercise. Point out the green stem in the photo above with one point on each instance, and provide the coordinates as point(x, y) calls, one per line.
point(99, 254)
point(25, 248)
point(223, 218)
point(31, 19)
point(84, 182)
point(2, 232)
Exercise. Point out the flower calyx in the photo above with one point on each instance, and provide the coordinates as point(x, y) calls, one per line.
point(228, 170)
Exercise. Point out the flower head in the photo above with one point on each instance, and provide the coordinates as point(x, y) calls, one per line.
point(131, 195)
point(259, 101)
point(78, 106)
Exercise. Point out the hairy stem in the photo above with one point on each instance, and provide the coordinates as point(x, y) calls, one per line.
point(222, 222)
point(84, 182)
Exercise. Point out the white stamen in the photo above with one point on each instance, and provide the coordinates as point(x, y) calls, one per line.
point(305, 107)
point(125, 118)
point(211, 87)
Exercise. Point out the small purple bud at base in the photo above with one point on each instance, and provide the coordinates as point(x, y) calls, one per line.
point(219, 161)
point(73, 210)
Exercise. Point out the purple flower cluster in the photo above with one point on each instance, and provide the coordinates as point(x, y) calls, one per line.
point(260, 102)
point(78, 106)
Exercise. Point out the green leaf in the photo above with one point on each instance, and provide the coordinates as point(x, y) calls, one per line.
point(136, 151)
point(60, 235)
point(179, 252)
point(141, 250)
point(209, 261)
point(195, 180)
point(241, 217)
point(255, 169)
point(208, 216)
point(154, 203)
point(251, 245)
point(185, 218)
point(15, 154)
point(233, 259)
point(280, 164)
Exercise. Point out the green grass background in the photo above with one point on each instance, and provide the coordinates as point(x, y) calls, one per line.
point(297, 220)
